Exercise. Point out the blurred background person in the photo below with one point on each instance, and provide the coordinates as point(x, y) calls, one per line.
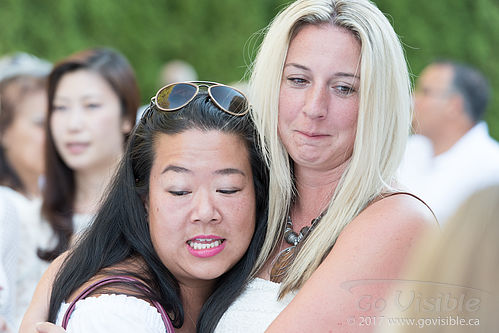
point(175, 70)
point(240, 85)
point(451, 284)
point(92, 105)
point(22, 116)
point(452, 155)
point(23, 105)
point(9, 244)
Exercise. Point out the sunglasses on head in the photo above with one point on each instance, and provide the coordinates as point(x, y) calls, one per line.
point(177, 95)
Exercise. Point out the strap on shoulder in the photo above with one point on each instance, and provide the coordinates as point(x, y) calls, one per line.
point(113, 279)
point(386, 195)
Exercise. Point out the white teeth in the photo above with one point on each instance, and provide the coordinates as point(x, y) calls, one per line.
point(202, 246)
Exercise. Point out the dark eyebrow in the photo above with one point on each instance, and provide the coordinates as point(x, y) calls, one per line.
point(175, 168)
point(342, 74)
point(230, 171)
point(179, 169)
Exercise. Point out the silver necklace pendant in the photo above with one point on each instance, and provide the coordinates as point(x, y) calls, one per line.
point(285, 258)
point(292, 237)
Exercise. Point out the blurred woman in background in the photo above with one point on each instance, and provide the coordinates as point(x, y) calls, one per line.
point(22, 116)
point(23, 105)
point(93, 99)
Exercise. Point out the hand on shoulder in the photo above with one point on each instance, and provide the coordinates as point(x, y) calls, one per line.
point(48, 328)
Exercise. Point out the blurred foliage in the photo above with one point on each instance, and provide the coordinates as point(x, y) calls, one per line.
point(218, 37)
point(214, 36)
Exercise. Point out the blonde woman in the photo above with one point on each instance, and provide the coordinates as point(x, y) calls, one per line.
point(453, 278)
point(332, 99)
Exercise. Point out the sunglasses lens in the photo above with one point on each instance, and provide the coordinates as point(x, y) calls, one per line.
point(229, 99)
point(175, 96)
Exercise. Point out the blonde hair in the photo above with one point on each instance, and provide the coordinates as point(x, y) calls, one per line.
point(462, 262)
point(382, 126)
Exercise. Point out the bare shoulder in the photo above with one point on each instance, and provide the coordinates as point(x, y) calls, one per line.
point(393, 214)
point(388, 229)
point(369, 253)
point(382, 235)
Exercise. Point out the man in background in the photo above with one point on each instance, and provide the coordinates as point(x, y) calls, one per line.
point(176, 70)
point(451, 154)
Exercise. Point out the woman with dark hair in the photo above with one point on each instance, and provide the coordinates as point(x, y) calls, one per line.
point(92, 102)
point(185, 216)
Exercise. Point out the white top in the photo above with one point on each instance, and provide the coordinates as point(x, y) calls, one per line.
point(255, 309)
point(8, 255)
point(112, 313)
point(23, 267)
point(23, 232)
point(445, 181)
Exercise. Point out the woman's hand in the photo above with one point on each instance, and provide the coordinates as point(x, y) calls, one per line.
point(49, 328)
point(4, 328)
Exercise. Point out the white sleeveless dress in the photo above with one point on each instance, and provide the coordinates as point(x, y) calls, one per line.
point(254, 309)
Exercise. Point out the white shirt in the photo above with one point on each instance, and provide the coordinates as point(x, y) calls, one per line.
point(445, 181)
point(112, 313)
point(255, 309)
point(9, 231)
point(20, 218)
point(22, 233)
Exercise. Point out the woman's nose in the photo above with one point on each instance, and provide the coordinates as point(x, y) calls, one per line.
point(75, 120)
point(204, 208)
point(316, 102)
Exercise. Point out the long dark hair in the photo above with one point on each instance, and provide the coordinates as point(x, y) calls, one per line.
point(120, 230)
point(59, 189)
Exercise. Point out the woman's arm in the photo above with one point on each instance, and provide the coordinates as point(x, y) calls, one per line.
point(347, 291)
point(38, 309)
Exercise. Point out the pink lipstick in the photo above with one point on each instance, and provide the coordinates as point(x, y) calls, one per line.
point(205, 246)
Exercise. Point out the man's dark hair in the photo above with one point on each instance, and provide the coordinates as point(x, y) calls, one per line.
point(472, 85)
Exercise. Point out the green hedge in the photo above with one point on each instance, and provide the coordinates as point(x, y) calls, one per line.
point(212, 35)
point(218, 38)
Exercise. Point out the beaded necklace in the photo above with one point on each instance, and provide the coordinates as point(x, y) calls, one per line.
point(286, 257)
